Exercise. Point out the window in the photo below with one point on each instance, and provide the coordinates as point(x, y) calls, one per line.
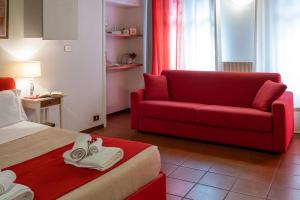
point(278, 41)
point(198, 45)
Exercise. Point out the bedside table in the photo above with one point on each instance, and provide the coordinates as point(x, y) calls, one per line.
point(43, 104)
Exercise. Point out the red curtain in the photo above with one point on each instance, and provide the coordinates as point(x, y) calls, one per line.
point(167, 26)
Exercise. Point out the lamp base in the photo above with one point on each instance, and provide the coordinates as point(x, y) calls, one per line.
point(31, 87)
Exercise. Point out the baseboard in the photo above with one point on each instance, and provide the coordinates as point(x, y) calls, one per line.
point(92, 129)
point(119, 112)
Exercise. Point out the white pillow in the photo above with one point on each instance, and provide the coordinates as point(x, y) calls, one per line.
point(11, 110)
point(23, 114)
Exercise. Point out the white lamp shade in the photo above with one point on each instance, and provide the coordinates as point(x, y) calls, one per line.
point(23, 70)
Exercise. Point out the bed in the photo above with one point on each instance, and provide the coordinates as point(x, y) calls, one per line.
point(138, 178)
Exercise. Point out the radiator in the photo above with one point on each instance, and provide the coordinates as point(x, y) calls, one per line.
point(237, 66)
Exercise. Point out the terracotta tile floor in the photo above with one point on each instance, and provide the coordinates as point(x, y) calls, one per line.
point(206, 171)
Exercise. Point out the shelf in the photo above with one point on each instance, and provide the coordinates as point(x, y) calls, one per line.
point(123, 67)
point(122, 35)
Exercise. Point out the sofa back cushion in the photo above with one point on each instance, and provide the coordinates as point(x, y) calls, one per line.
point(267, 94)
point(216, 88)
point(156, 87)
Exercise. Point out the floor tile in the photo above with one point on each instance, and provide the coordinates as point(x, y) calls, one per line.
point(264, 174)
point(168, 168)
point(289, 168)
point(291, 158)
point(187, 174)
point(173, 156)
point(237, 196)
point(252, 188)
point(282, 193)
point(295, 145)
point(260, 158)
point(218, 180)
point(172, 197)
point(178, 187)
point(287, 180)
point(256, 168)
point(202, 192)
point(198, 164)
point(226, 169)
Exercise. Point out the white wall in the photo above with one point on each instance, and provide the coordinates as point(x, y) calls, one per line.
point(119, 86)
point(79, 74)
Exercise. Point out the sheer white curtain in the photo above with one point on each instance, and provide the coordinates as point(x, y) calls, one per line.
point(278, 41)
point(198, 45)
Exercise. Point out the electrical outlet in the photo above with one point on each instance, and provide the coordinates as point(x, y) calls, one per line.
point(68, 48)
point(96, 118)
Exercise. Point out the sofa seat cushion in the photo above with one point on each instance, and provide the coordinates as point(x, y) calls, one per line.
point(169, 110)
point(235, 117)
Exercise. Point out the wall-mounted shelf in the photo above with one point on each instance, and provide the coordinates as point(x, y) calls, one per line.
point(122, 67)
point(122, 35)
point(121, 79)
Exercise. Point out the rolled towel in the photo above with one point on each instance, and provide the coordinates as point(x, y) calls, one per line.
point(18, 192)
point(95, 146)
point(103, 160)
point(81, 147)
point(7, 178)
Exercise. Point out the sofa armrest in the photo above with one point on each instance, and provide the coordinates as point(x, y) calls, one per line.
point(283, 116)
point(135, 98)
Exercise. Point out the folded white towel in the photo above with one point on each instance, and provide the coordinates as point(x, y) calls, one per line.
point(95, 146)
point(81, 147)
point(6, 180)
point(103, 160)
point(18, 192)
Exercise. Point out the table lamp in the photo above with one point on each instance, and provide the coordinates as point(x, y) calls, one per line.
point(30, 69)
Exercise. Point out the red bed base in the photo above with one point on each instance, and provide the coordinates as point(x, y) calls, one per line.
point(155, 190)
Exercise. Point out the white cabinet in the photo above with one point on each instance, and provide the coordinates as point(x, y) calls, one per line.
point(33, 18)
point(47, 19)
point(60, 19)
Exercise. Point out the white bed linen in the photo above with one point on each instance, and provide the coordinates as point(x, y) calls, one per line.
point(19, 130)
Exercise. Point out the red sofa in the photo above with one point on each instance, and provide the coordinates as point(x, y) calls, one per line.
point(216, 106)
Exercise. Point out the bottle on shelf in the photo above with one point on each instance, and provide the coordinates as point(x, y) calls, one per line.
point(132, 30)
point(116, 31)
point(126, 30)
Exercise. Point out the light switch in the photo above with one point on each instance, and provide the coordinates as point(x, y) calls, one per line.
point(68, 48)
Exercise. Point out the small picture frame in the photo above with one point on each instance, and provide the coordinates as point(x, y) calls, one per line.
point(4, 19)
